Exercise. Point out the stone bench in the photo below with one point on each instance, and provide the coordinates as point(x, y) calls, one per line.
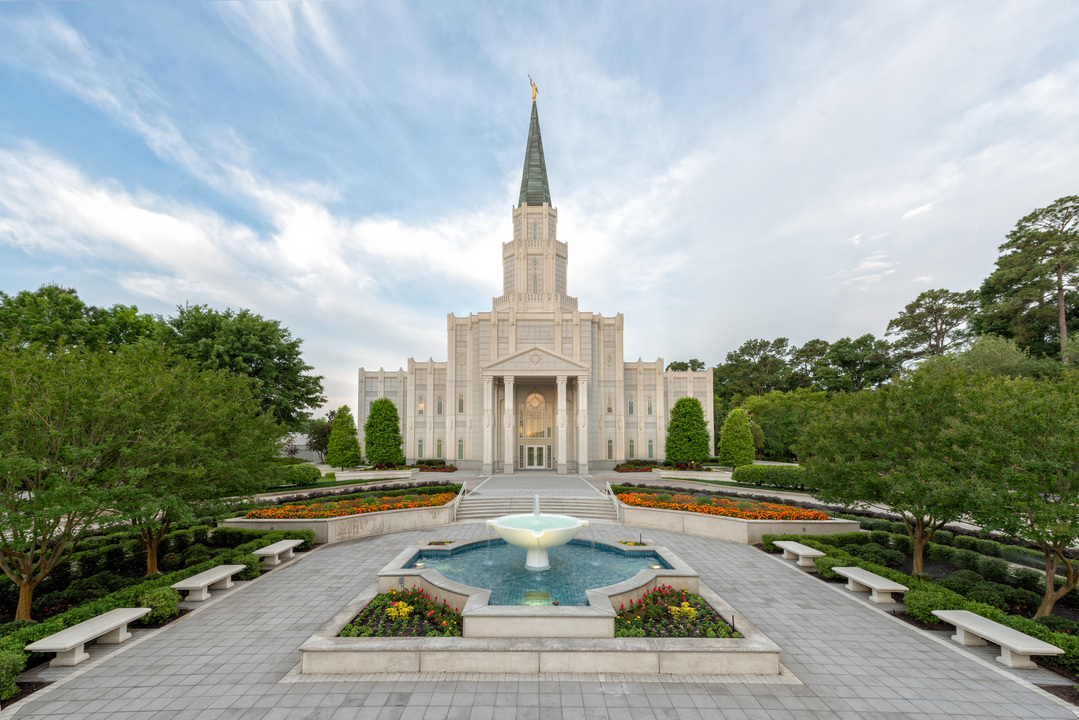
point(880, 589)
point(217, 578)
point(1015, 647)
point(804, 553)
point(69, 644)
point(272, 554)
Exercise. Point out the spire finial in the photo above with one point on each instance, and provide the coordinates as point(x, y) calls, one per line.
point(534, 88)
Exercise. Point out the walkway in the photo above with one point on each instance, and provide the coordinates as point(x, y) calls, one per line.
point(234, 658)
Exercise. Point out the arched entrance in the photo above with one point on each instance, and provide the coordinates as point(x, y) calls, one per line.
point(535, 435)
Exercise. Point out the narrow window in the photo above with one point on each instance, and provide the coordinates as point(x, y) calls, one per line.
point(535, 231)
point(460, 449)
point(548, 457)
point(629, 405)
point(460, 403)
point(438, 449)
point(649, 404)
point(610, 449)
point(630, 449)
point(649, 449)
point(535, 283)
point(438, 405)
point(419, 405)
point(419, 448)
point(610, 404)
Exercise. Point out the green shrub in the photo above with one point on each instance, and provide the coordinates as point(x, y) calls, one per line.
point(923, 600)
point(944, 537)
point(288, 461)
point(196, 553)
point(735, 440)
point(1059, 624)
point(164, 603)
point(789, 477)
point(994, 569)
point(903, 544)
point(382, 434)
point(330, 476)
point(875, 553)
point(12, 663)
point(301, 475)
point(687, 433)
point(343, 450)
point(825, 564)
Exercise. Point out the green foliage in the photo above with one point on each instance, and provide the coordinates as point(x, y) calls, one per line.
point(382, 434)
point(687, 432)
point(164, 603)
point(788, 477)
point(692, 364)
point(922, 601)
point(344, 448)
point(736, 440)
point(318, 435)
point(994, 355)
point(755, 368)
point(783, 417)
point(1031, 296)
point(852, 365)
point(301, 475)
point(934, 323)
point(248, 345)
point(12, 663)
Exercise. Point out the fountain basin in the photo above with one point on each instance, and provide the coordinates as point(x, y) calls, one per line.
point(537, 532)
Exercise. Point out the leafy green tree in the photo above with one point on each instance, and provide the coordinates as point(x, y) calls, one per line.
point(55, 317)
point(382, 434)
point(934, 323)
point(248, 344)
point(783, 417)
point(682, 365)
point(318, 435)
point(897, 445)
point(1025, 432)
point(1033, 295)
point(995, 355)
point(852, 365)
point(687, 432)
point(736, 440)
point(757, 367)
point(804, 361)
point(344, 447)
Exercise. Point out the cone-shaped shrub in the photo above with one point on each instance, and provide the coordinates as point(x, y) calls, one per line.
point(736, 440)
point(382, 434)
point(344, 448)
point(687, 435)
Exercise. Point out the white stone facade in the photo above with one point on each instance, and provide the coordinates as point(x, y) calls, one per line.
point(574, 403)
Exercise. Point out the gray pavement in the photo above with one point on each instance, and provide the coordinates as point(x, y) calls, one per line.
point(235, 657)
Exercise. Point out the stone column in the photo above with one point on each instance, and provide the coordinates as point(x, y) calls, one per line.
point(560, 423)
point(582, 426)
point(488, 424)
point(510, 427)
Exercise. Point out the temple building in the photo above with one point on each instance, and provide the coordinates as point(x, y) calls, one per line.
point(535, 383)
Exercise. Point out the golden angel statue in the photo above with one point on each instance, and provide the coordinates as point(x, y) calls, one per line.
point(534, 88)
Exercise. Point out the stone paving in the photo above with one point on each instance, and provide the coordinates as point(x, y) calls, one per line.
point(544, 484)
point(235, 658)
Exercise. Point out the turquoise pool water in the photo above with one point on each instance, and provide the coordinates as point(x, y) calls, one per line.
point(575, 568)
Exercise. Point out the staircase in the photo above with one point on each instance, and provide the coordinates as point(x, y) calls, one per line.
point(483, 508)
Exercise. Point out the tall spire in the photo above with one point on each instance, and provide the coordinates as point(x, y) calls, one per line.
point(534, 187)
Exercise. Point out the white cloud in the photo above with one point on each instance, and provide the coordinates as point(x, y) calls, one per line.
point(920, 210)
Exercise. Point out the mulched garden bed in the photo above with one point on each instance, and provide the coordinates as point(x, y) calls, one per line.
point(1064, 692)
point(666, 612)
point(409, 613)
point(25, 688)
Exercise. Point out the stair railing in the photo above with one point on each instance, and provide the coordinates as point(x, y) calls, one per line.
point(614, 501)
point(457, 500)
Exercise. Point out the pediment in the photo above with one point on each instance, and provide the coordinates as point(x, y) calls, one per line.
point(535, 361)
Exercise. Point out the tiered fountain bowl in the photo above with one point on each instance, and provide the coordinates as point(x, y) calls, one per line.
point(536, 533)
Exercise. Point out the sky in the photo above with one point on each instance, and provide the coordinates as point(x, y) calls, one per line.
point(722, 170)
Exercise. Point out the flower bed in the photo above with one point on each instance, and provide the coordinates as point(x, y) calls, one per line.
point(343, 508)
point(721, 506)
point(666, 612)
point(409, 613)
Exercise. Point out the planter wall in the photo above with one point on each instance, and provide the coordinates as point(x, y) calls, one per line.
point(330, 530)
point(737, 530)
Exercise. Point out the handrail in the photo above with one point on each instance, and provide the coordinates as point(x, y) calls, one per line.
point(457, 500)
point(614, 501)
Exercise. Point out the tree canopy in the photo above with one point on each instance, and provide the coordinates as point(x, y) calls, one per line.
point(783, 417)
point(683, 365)
point(318, 434)
point(736, 446)
point(382, 434)
point(248, 344)
point(687, 433)
point(852, 365)
point(933, 323)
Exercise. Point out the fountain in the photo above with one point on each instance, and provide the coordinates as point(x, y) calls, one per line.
point(537, 532)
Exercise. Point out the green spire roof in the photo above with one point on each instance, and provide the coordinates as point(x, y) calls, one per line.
point(534, 187)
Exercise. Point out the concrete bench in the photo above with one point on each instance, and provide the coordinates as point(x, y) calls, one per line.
point(272, 554)
point(1015, 647)
point(69, 644)
point(804, 553)
point(217, 578)
point(880, 589)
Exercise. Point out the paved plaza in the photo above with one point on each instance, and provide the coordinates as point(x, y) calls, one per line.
point(236, 657)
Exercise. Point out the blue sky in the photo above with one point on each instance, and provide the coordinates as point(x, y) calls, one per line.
point(723, 171)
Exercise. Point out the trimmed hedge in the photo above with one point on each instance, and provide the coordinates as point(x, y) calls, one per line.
point(788, 477)
point(12, 645)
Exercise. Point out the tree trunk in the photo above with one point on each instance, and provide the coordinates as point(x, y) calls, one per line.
point(151, 539)
point(1051, 594)
point(26, 597)
point(919, 540)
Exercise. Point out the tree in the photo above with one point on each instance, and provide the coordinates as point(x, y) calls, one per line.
point(344, 447)
point(897, 445)
point(55, 317)
point(1034, 292)
point(736, 440)
point(804, 361)
point(687, 433)
point(682, 366)
point(382, 434)
point(757, 367)
point(852, 365)
point(935, 322)
point(995, 355)
point(318, 435)
point(1028, 468)
point(783, 417)
point(247, 344)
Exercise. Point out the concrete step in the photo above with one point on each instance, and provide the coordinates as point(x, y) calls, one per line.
point(485, 508)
